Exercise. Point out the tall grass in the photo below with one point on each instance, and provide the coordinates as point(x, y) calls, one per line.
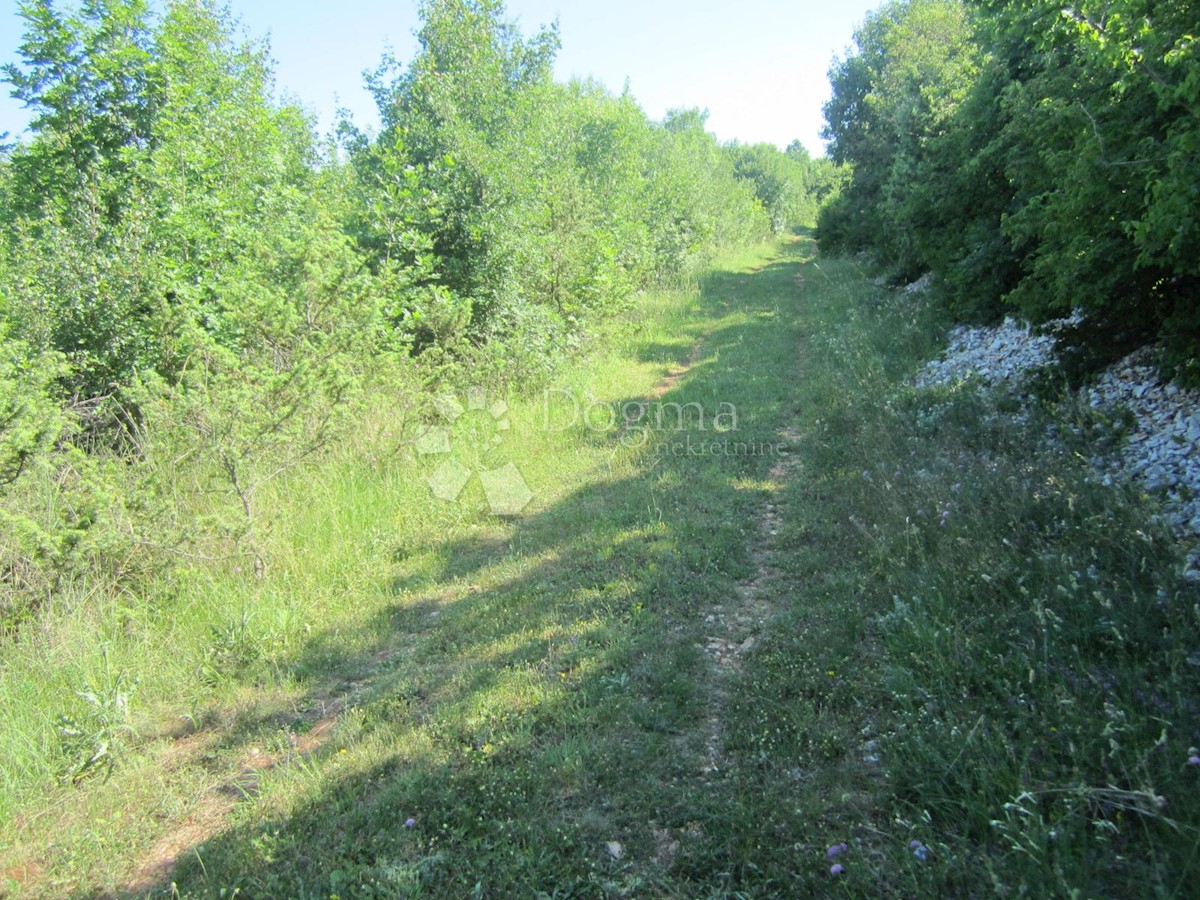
point(1006, 638)
point(220, 654)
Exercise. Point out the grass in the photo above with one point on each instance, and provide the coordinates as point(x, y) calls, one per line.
point(966, 644)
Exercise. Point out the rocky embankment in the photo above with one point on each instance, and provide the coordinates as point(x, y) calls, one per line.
point(1158, 449)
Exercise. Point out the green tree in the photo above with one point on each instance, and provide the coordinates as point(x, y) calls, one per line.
point(781, 181)
point(894, 100)
point(527, 207)
point(1033, 156)
point(91, 81)
point(1103, 132)
point(447, 114)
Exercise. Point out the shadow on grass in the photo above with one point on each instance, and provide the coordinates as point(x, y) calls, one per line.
point(663, 352)
point(528, 715)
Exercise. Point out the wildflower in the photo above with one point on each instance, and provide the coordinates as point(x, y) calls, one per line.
point(1193, 761)
point(836, 850)
point(410, 822)
point(836, 869)
point(920, 851)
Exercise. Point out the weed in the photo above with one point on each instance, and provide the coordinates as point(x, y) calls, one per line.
point(94, 740)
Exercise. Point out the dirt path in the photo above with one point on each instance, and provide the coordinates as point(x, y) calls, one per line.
point(676, 373)
point(734, 628)
point(212, 812)
point(211, 815)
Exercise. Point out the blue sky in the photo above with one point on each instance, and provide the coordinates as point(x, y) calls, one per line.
point(759, 67)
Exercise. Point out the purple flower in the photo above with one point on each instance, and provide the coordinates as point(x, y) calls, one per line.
point(836, 869)
point(836, 850)
point(1193, 761)
point(913, 845)
point(410, 822)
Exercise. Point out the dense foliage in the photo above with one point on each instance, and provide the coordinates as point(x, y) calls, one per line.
point(192, 280)
point(1032, 156)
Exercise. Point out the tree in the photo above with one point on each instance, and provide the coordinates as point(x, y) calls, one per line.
point(893, 101)
point(521, 200)
point(91, 80)
point(1103, 124)
point(781, 181)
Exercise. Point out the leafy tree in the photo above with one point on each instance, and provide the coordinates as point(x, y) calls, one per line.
point(698, 200)
point(446, 113)
point(217, 312)
point(781, 182)
point(1103, 124)
point(1033, 156)
point(90, 78)
point(516, 193)
point(893, 102)
point(858, 136)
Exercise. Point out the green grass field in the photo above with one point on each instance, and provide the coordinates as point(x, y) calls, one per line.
point(766, 598)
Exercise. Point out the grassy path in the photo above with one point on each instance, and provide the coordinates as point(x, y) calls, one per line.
point(542, 694)
point(766, 600)
point(536, 695)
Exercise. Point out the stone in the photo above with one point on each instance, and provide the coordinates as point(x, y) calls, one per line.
point(1162, 454)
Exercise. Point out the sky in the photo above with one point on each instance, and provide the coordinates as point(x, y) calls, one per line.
point(759, 67)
